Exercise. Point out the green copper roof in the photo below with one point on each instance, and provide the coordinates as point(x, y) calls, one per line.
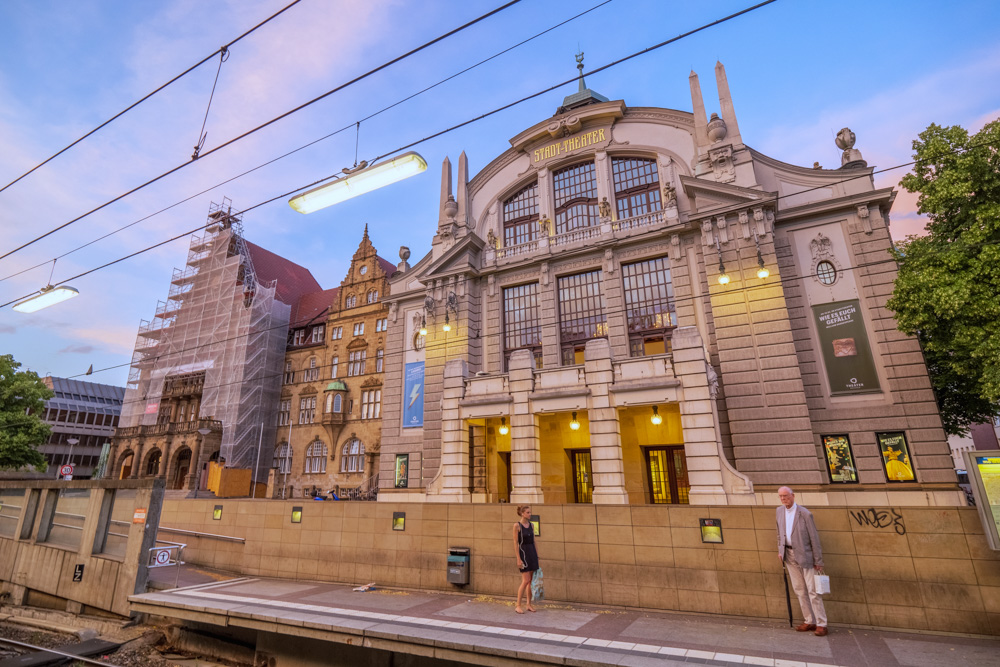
point(336, 385)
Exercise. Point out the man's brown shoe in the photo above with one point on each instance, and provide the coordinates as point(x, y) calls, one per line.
point(821, 631)
point(806, 627)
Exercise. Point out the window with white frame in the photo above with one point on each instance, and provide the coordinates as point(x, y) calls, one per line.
point(318, 332)
point(284, 412)
point(298, 337)
point(373, 296)
point(382, 324)
point(311, 374)
point(283, 458)
point(352, 457)
point(359, 329)
point(371, 404)
point(356, 363)
point(338, 403)
point(316, 457)
point(336, 333)
point(307, 410)
point(379, 356)
point(334, 366)
point(289, 377)
point(351, 301)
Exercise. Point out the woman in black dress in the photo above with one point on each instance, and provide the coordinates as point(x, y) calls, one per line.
point(526, 553)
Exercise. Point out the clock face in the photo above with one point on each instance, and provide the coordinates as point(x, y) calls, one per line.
point(364, 270)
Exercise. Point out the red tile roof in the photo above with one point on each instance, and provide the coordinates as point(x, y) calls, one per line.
point(386, 266)
point(310, 306)
point(293, 280)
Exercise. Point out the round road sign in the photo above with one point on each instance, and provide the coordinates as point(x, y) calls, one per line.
point(66, 470)
point(162, 557)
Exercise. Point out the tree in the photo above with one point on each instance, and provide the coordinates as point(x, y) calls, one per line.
point(947, 292)
point(21, 431)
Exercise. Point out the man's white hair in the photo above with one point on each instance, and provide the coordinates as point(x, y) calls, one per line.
point(786, 488)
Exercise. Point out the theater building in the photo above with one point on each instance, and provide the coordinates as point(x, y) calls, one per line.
point(631, 305)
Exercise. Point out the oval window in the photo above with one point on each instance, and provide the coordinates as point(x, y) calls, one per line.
point(364, 270)
point(826, 272)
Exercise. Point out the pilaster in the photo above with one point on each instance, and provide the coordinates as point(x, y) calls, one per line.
point(525, 452)
point(605, 436)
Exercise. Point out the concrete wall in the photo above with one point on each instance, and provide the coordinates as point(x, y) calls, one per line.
point(912, 568)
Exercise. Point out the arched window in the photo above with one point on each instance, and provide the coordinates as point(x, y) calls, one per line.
point(338, 403)
point(316, 457)
point(576, 197)
point(351, 301)
point(520, 216)
point(637, 186)
point(283, 458)
point(373, 296)
point(329, 403)
point(153, 465)
point(353, 456)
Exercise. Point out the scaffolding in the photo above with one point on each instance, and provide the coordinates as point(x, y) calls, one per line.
point(221, 319)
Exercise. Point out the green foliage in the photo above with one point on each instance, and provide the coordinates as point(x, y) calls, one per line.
point(21, 433)
point(948, 288)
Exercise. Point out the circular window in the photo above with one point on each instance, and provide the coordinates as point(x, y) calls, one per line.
point(364, 270)
point(826, 272)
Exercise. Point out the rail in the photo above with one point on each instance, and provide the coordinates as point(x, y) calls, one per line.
point(41, 649)
point(211, 536)
point(167, 556)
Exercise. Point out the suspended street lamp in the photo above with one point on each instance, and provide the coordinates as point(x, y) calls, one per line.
point(47, 296)
point(358, 181)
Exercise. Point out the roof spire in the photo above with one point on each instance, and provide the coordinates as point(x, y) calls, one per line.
point(579, 66)
point(583, 96)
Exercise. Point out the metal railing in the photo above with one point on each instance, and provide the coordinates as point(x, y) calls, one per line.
point(211, 536)
point(167, 556)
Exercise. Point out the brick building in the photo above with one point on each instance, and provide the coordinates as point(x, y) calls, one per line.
point(631, 305)
point(329, 413)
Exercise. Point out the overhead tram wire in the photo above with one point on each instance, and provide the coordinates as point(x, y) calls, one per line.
point(267, 124)
point(315, 141)
point(143, 99)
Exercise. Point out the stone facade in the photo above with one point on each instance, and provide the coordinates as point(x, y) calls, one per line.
point(330, 404)
point(630, 305)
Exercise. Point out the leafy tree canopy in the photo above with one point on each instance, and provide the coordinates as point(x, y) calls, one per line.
point(21, 433)
point(948, 288)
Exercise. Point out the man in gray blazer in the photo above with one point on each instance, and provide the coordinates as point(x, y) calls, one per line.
point(799, 550)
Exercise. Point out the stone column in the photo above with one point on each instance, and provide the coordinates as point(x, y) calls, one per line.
point(525, 450)
point(605, 436)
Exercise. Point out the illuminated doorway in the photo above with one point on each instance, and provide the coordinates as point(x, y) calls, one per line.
point(668, 476)
point(583, 475)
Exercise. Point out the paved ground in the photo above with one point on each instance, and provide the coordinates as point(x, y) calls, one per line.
point(558, 633)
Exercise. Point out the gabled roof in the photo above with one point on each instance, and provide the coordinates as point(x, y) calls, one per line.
point(293, 280)
point(388, 267)
point(309, 308)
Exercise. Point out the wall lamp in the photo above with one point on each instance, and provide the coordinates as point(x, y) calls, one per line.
point(450, 306)
point(297, 514)
point(574, 425)
point(504, 429)
point(723, 276)
point(423, 326)
point(358, 181)
point(762, 271)
point(656, 418)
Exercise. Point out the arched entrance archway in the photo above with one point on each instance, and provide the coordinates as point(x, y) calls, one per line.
point(125, 463)
point(181, 468)
point(153, 462)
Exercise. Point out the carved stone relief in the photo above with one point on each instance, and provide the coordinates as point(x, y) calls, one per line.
point(722, 163)
point(720, 224)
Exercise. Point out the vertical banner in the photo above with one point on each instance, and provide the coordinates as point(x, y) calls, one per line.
point(984, 474)
point(402, 470)
point(101, 469)
point(840, 459)
point(847, 355)
point(895, 457)
point(413, 395)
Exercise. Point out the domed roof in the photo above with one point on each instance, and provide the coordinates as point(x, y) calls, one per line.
point(336, 385)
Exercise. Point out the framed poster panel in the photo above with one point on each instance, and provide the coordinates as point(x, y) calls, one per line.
point(402, 470)
point(984, 477)
point(895, 455)
point(839, 459)
point(413, 395)
point(847, 355)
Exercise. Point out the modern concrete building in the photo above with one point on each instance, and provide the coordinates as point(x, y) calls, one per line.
point(86, 412)
point(329, 412)
point(631, 305)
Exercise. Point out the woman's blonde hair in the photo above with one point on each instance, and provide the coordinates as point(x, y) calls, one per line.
point(521, 508)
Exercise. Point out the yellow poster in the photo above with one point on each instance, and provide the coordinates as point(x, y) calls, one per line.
point(896, 457)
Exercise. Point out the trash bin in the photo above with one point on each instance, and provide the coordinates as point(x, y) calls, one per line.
point(458, 565)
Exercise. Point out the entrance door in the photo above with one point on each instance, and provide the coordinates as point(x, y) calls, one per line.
point(668, 476)
point(183, 467)
point(583, 484)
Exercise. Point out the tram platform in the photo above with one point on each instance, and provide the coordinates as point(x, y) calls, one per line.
point(482, 630)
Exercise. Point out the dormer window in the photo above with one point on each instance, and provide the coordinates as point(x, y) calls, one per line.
point(299, 337)
point(318, 332)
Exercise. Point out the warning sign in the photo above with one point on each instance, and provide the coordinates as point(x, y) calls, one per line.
point(139, 515)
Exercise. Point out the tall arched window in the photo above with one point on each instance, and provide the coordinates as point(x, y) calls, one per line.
point(316, 457)
point(338, 403)
point(576, 197)
point(520, 216)
point(153, 465)
point(283, 458)
point(637, 186)
point(373, 296)
point(352, 457)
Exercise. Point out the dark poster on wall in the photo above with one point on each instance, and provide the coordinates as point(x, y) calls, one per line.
point(840, 459)
point(847, 355)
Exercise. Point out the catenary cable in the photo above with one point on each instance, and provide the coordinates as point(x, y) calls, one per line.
point(315, 141)
point(143, 99)
point(266, 124)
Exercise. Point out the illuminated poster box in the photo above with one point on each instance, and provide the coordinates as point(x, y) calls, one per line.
point(984, 476)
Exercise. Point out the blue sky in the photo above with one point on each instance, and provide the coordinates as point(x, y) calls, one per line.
point(799, 71)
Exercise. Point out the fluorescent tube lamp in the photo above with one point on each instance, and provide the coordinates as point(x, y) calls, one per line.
point(48, 296)
point(359, 182)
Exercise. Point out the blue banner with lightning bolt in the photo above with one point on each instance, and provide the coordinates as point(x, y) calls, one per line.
point(413, 395)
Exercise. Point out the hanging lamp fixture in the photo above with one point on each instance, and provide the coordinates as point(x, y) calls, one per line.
point(656, 418)
point(359, 180)
point(423, 326)
point(504, 430)
point(574, 425)
point(47, 296)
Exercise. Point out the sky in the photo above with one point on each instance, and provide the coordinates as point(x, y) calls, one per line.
point(798, 71)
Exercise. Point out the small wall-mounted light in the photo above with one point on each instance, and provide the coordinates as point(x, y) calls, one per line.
point(574, 424)
point(504, 430)
point(217, 513)
point(711, 530)
point(656, 418)
point(296, 515)
point(723, 276)
point(762, 271)
point(536, 524)
point(423, 326)
point(447, 323)
point(399, 520)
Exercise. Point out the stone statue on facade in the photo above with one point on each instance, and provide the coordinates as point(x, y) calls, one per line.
point(543, 226)
point(669, 195)
point(491, 239)
point(604, 208)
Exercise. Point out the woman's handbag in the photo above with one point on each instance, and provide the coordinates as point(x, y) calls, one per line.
point(822, 583)
point(537, 587)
